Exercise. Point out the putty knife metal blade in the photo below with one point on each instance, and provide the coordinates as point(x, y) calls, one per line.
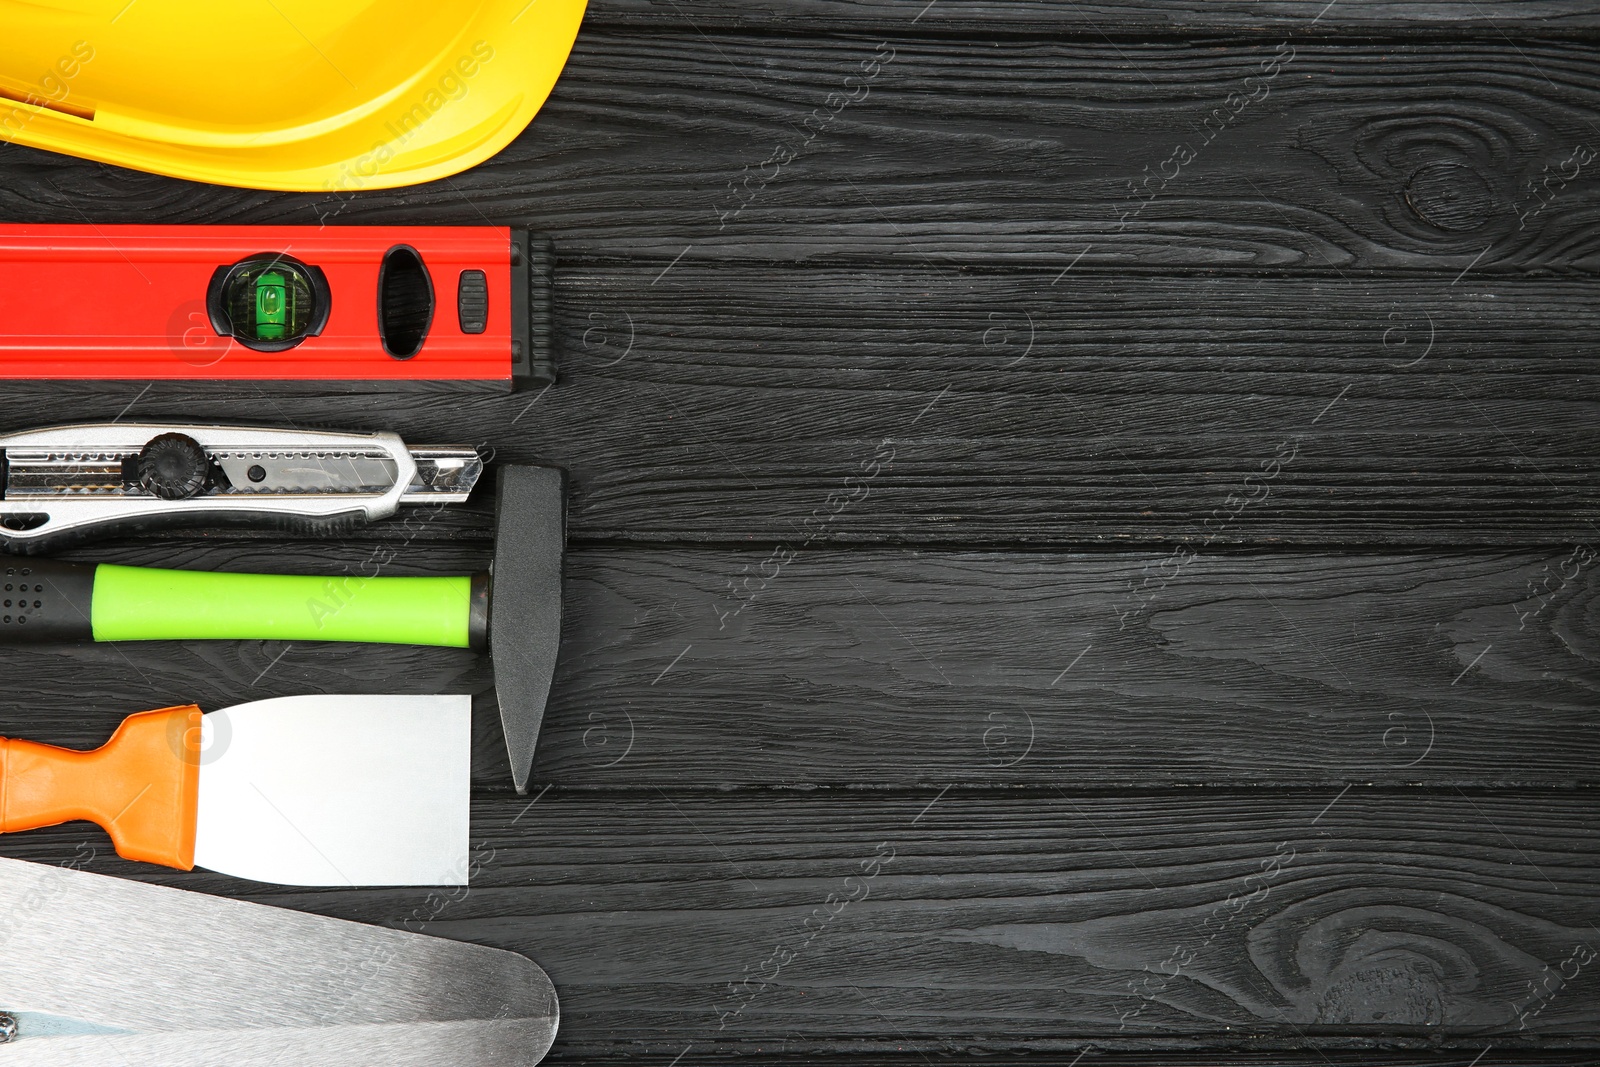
point(337, 790)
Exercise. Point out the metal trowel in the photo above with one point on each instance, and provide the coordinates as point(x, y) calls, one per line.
point(100, 970)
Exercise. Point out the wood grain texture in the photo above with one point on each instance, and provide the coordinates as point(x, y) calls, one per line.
point(998, 152)
point(892, 432)
point(1136, 19)
point(1048, 920)
point(1004, 408)
point(1097, 1057)
point(713, 668)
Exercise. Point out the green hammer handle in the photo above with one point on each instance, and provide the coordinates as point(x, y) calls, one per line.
point(48, 601)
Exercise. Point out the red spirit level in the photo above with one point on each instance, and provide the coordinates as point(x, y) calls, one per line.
point(354, 303)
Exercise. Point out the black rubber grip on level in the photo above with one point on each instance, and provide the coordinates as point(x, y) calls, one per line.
point(472, 301)
point(533, 317)
point(42, 600)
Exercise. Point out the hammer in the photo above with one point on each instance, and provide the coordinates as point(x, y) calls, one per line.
point(514, 609)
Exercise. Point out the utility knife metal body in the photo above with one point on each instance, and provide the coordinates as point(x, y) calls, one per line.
point(74, 483)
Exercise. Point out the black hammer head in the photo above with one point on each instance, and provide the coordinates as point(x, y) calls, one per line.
point(525, 604)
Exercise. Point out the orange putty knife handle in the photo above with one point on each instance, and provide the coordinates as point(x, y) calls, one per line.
point(142, 786)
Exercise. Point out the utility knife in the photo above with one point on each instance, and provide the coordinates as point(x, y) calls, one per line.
point(74, 483)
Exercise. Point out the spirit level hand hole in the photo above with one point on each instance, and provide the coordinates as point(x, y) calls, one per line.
point(405, 302)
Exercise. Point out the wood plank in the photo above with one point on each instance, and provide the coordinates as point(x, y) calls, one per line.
point(1006, 408)
point(1095, 1057)
point(1038, 920)
point(713, 668)
point(1027, 152)
point(1114, 18)
point(878, 668)
point(1417, 156)
point(717, 406)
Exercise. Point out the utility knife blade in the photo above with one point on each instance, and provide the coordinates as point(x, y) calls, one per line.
point(74, 483)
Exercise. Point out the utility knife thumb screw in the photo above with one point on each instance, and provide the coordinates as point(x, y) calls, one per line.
point(173, 466)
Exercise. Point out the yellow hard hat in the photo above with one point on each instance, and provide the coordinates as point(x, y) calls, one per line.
point(301, 95)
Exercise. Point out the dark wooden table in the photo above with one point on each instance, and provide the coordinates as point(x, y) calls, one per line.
point(1083, 534)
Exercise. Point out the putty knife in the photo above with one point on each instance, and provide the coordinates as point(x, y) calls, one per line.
point(102, 971)
point(515, 608)
point(308, 790)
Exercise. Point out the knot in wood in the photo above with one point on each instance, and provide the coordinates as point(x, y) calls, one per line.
point(1450, 196)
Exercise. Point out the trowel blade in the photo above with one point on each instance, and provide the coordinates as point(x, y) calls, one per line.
point(157, 962)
